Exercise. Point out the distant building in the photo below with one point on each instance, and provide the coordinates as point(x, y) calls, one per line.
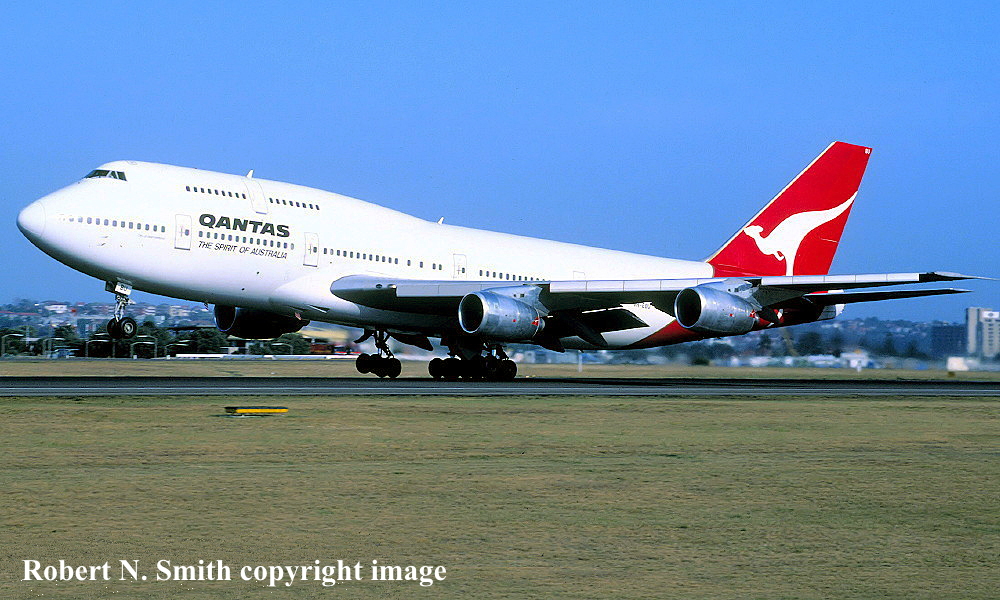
point(948, 340)
point(982, 330)
point(179, 311)
point(56, 307)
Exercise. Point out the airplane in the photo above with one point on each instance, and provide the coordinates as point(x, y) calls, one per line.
point(273, 256)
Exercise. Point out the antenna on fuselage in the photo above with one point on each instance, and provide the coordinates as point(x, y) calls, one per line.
point(250, 174)
point(441, 220)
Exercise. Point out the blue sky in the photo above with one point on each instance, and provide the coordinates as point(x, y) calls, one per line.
point(642, 127)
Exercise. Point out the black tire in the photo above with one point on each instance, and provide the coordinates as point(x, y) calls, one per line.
point(452, 369)
point(474, 368)
point(436, 368)
point(393, 368)
point(114, 329)
point(363, 363)
point(491, 368)
point(127, 328)
point(507, 370)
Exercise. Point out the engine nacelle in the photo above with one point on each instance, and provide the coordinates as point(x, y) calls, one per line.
point(498, 317)
point(254, 324)
point(709, 310)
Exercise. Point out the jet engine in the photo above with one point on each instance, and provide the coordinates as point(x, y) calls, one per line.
point(709, 310)
point(498, 317)
point(254, 324)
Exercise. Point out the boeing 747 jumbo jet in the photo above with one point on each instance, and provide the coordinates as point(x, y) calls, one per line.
point(272, 256)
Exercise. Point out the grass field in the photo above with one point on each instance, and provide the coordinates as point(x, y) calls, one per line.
point(518, 497)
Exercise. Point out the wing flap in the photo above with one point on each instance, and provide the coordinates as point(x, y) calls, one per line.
point(852, 297)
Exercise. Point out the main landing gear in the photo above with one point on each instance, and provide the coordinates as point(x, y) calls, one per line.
point(377, 364)
point(121, 327)
point(494, 366)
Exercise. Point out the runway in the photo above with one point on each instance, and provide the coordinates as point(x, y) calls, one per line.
point(356, 386)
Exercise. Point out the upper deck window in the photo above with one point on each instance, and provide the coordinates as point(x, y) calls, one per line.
point(106, 173)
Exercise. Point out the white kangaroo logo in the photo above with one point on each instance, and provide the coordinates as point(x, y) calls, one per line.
point(784, 240)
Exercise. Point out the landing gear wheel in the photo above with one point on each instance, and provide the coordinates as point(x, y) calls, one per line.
point(114, 329)
point(385, 367)
point(127, 328)
point(452, 369)
point(377, 364)
point(436, 368)
point(491, 366)
point(507, 370)
point(474, 368)
point(393, 368)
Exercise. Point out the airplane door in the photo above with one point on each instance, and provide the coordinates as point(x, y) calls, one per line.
point(256, 195)
point(311, 257)
point(460, 266)
point(182, 232)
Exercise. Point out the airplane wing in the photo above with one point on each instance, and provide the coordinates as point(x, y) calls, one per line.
point(443, 296)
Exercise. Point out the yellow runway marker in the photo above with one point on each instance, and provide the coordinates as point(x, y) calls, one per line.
point(256, 410)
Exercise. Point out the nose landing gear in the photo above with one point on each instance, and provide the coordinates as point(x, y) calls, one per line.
point(377, 364)
point(121, 327)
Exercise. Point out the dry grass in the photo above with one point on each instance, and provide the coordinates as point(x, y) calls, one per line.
point(345, 368)
point(518, 497)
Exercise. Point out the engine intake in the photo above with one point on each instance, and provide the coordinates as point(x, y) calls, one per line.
point(498, 317)
point(254, 324)
point(709, 310)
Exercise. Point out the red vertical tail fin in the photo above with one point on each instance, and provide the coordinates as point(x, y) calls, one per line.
point(798, 231)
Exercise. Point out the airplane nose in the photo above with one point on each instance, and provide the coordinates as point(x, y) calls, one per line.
point(31, 220)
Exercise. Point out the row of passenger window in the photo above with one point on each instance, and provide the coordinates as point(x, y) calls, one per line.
point(506, 276)
point(201, 190)
point(420, 264)
point(242, 239)
point(376, 258)
point(115, 223)
point(295, 203)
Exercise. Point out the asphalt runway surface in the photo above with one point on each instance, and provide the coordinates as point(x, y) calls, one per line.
point(356, 386)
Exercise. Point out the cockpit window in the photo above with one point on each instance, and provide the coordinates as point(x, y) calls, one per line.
point(106, 173)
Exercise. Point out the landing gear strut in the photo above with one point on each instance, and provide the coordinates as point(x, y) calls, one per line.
point(494, 366)
point(377, 364)
point(120, 326)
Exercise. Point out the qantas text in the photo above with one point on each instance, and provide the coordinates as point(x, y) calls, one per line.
point(237, 224)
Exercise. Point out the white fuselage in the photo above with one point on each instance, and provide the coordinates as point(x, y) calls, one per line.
point(228, 239)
